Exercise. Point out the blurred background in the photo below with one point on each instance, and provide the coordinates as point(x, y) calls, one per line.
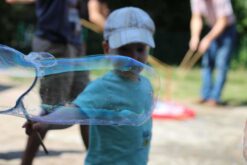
point(171, 17)
point(212, 137)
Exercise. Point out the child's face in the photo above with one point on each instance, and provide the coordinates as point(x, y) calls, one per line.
point(137, 51)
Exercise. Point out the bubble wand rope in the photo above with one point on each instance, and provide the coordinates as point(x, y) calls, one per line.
point(20, 103)
point(37, 133)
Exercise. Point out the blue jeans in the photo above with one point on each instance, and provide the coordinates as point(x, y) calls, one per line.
point(218, 56)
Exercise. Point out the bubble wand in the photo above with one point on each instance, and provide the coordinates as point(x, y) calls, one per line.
point(20, 103)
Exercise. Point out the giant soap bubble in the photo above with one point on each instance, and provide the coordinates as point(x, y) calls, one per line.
point(121, 91)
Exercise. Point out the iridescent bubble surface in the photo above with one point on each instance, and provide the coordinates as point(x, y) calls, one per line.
point(121, 90)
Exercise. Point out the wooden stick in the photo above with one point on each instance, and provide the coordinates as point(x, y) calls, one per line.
point(186, 59)
point(91, 26)
point(168, 69)
point(154, 61)
point(194, 60)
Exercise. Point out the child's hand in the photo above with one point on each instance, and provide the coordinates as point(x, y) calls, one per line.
point(28, 127)
point(31, 127)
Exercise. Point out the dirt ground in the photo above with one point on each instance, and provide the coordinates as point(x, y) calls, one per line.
point(213, 137)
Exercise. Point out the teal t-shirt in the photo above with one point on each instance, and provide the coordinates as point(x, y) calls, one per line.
point(118, 145)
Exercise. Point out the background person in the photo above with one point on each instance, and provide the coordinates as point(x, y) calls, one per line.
point(58, 32)
point(217, 45)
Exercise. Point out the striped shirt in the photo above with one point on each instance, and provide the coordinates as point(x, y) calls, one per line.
point(213, 9)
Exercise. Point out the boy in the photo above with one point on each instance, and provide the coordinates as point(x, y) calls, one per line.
point(128, 32)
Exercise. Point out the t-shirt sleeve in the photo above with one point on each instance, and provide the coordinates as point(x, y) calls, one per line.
point(223, 8)
point(195, 6)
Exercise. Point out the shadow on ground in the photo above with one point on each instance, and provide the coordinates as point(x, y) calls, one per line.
point(17, 154)
point(235, 103)
point(4, 87)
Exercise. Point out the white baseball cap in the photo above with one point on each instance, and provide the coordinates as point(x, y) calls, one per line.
point(129, 25)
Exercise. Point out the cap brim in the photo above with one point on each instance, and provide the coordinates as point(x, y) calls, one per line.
point(128, 36)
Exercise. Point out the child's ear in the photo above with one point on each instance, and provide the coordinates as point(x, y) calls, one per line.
point(105, 46)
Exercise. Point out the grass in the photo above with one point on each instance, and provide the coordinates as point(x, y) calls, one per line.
point(187, 87)
point(236, 88)
point(177, 86)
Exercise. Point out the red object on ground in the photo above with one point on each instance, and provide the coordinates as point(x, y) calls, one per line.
point(171, 110)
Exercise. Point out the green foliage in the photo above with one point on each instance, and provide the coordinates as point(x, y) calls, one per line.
point(171, 17)
point(17, 25)
point(240, 8)
point(240, 59)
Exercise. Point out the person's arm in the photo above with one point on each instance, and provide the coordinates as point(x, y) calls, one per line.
point(196, 24)
point(30, 127)
point(63, 113)
point(97, 12)
point(216, 30)
point(19, 1)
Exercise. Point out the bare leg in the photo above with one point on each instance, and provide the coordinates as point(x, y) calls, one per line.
point(84, 134)
point(31, 148)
